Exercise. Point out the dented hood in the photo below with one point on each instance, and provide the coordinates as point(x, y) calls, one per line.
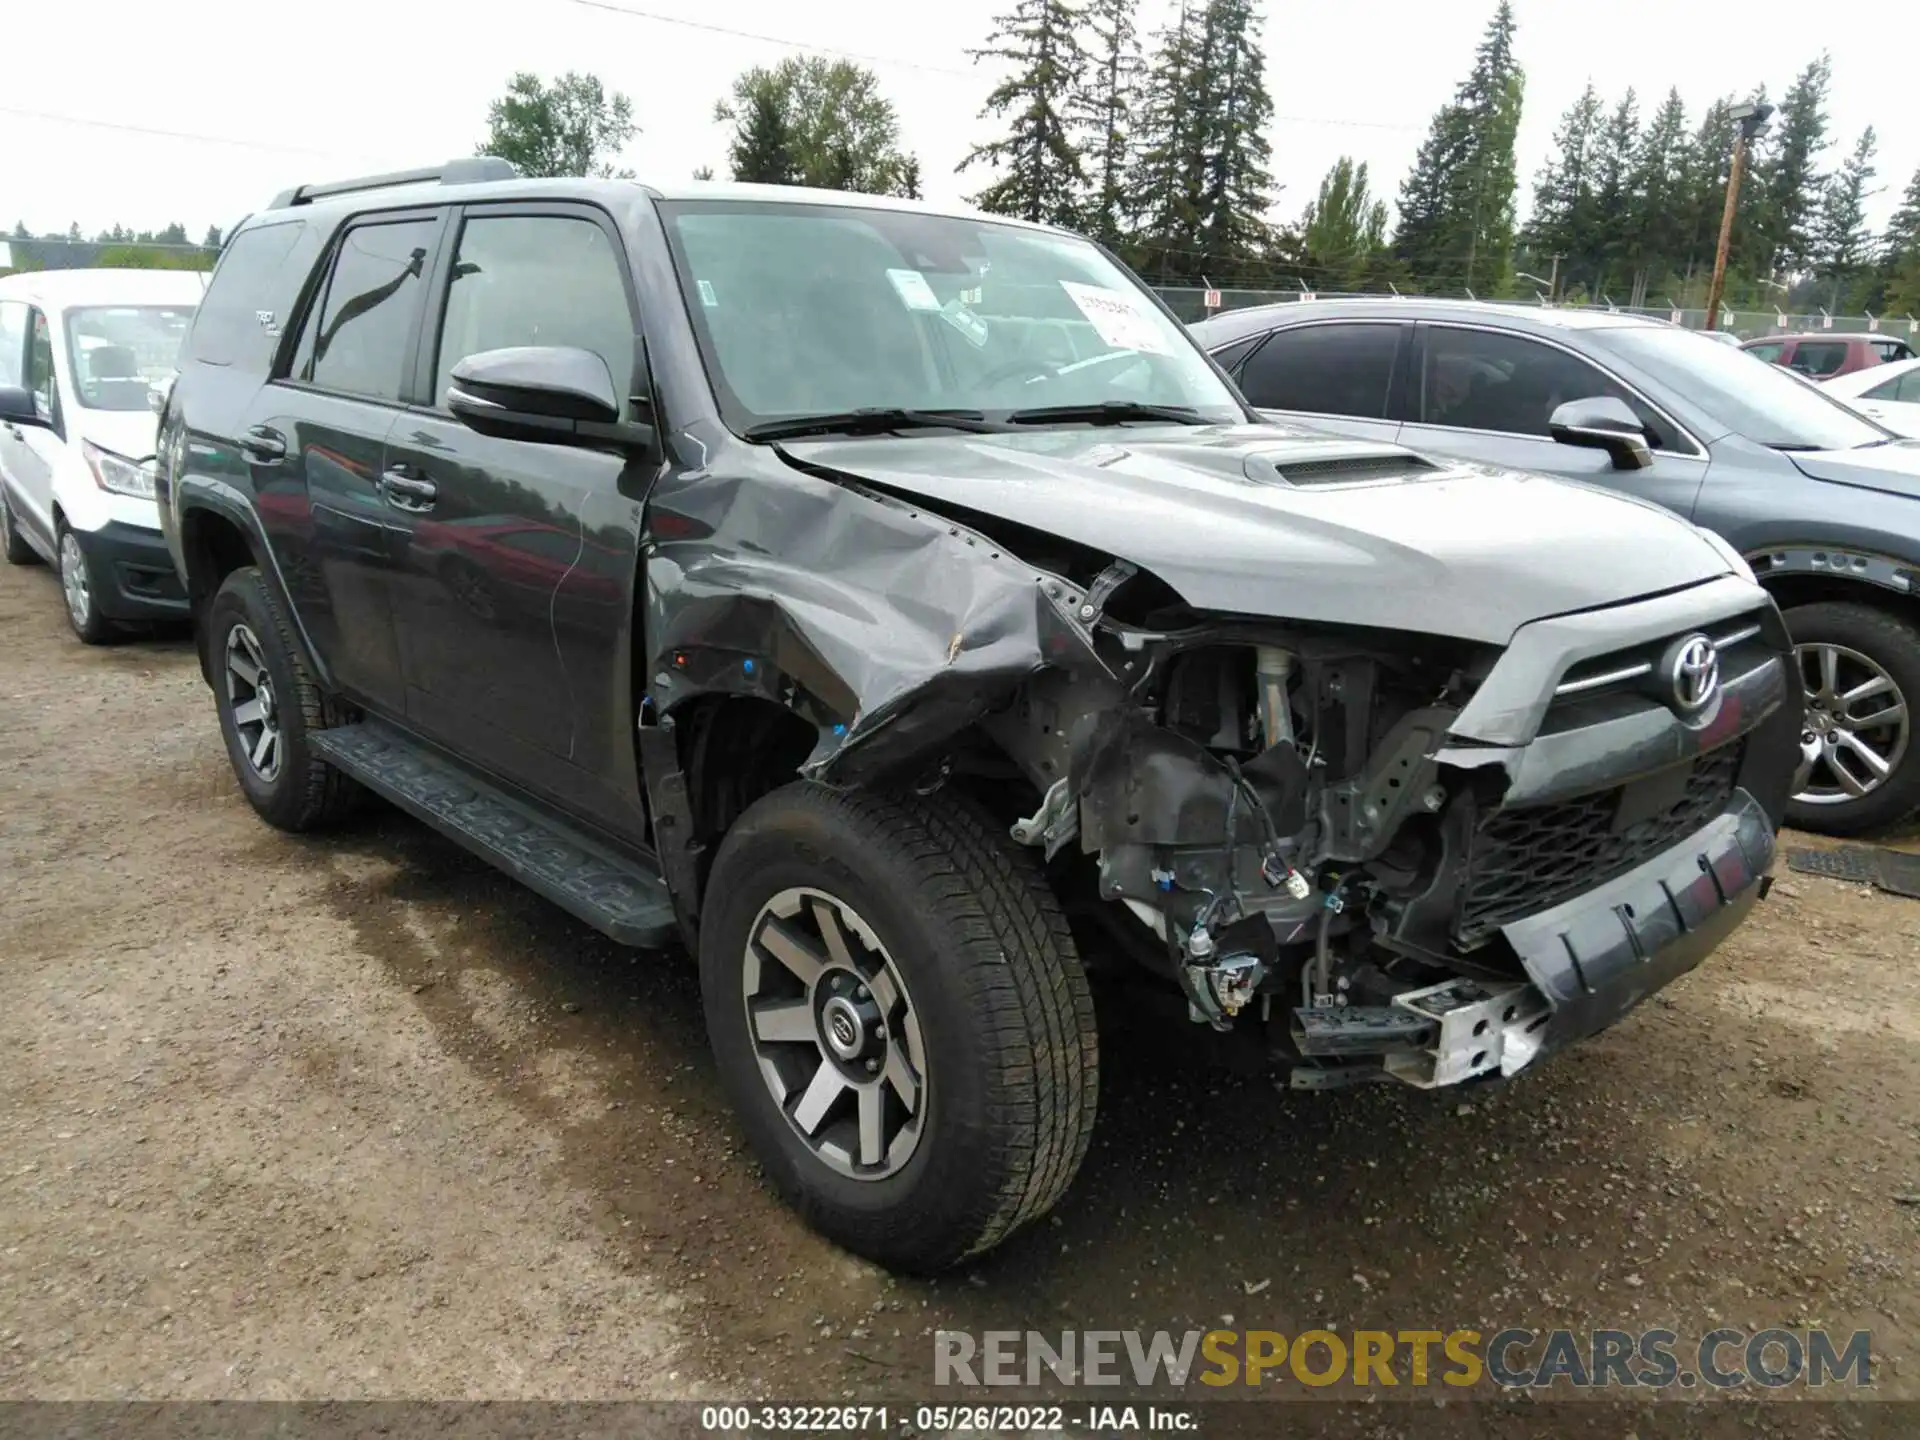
point(1456, 550)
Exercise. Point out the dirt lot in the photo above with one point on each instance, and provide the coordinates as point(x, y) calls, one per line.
point(354, 1117)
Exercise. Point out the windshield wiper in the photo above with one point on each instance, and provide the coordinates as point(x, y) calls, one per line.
point(1107, 412)
point(874, 420)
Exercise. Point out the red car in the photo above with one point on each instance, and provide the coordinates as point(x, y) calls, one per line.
point(1823, 354)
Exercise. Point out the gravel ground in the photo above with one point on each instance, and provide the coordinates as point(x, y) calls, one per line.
point(354, 1117)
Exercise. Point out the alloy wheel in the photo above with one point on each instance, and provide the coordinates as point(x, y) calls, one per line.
point(1857, 726)
point(256, 715)
point(73, 581)
point(835, 1033)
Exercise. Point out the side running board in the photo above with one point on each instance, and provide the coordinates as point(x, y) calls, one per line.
point(616, 895)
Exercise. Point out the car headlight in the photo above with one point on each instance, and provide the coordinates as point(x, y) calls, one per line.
point(117, 473)
point(1736, 562)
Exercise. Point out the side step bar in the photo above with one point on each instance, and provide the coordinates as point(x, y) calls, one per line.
point(616, 895)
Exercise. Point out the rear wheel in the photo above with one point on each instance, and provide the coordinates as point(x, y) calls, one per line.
point(900, 1018)
point(1860, 668)
point(12, 543)
point(270, 708)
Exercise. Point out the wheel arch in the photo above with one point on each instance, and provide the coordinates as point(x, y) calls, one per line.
point(217, 539)
point(1808, 574)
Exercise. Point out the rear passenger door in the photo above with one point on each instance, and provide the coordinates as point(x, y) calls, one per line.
point(314, 440)
point(1338, 376)
point(514, 601)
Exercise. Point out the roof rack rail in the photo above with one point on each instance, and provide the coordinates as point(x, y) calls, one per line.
point(467, 170)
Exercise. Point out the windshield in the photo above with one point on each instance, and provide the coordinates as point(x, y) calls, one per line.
point(1745, 394)
point(818, 310)
point(116, 351)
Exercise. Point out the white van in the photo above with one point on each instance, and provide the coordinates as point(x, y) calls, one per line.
point(79, 351)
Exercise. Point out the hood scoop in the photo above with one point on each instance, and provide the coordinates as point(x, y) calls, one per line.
point(1322, 466)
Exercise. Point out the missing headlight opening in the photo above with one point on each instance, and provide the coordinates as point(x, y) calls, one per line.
point(1282, 823)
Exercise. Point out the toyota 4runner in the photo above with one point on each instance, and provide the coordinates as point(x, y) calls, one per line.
point(898, 608)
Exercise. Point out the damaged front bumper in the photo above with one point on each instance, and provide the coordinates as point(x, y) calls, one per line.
point(1588, 962)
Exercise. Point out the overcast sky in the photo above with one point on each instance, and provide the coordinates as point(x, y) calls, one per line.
point(304, 91)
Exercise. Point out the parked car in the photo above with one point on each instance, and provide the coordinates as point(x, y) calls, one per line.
point(1824, 354)
point(79, 352)
point(1819, 500)
point(1888, 394)
point(962, 602)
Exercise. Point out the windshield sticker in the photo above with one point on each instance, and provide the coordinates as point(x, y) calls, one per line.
point(913, 290)
point(966, 322)
point(1116, 318)
point(707, 297)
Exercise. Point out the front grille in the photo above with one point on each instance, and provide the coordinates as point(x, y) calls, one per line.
point(1532, 858)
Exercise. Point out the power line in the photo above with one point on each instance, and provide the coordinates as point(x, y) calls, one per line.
point(633, 12)
point(169, 134)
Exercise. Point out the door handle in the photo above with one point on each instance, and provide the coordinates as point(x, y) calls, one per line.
point(407, 491)
point(264, 445)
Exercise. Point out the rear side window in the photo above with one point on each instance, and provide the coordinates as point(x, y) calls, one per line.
point(1819, 357)
point(358, 340)
point(1769, 352)
point(536, 280)
point(239, 317)
point(1324, 370)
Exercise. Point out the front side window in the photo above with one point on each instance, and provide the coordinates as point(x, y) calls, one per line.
point(13, 342)
point(820, 309)
point(357, 340)
point(1889, 350)
point(40, 374)
point(1819, 357)
point(1324, 370)
point(1489, 380)
point(536, 280)
point(115, 352)
point(1770, 352)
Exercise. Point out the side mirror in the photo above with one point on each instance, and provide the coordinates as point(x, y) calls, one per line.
point(1603, 423)
point(553, 393)
point(17, 408)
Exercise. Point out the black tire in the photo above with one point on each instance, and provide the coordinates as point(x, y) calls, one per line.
point(1002, 1004)
point(1893, 644)
point(82, 604)
point(12, 543)
point(302, 792)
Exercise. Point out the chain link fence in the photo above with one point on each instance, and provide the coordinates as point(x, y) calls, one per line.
point(1190, 304)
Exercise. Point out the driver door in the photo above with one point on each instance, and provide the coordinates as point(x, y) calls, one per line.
point(1486, 395)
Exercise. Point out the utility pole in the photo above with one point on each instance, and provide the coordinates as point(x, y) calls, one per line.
point(1751, 118)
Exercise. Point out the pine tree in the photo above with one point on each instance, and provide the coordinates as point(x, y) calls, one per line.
point(1102, 110)
point(212, 242)
point(1789, 186)
point(1163, 180)
point(1562, 224)
point(1042, 177)
point(1236, 185)
point(1842, 243)
point(909, 186)
point(761, 152)
point(1614, 177)
point(1343, 229)
point(1903, 230)
point(1659, 224)
point(1456, 207)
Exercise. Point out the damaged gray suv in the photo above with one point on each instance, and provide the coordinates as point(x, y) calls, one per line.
point(898, 609)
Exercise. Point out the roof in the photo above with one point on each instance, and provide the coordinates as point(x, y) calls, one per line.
point(1861, 336)
point(1232, 324)
point(65, 289)
point(467, 181)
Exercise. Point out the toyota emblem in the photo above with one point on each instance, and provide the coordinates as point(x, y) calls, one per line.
point(1693, 672)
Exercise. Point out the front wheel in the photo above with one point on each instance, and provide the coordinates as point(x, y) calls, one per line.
point(1860, 668)
point(270, 708)
point(900, 1019)
point(78, 588)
